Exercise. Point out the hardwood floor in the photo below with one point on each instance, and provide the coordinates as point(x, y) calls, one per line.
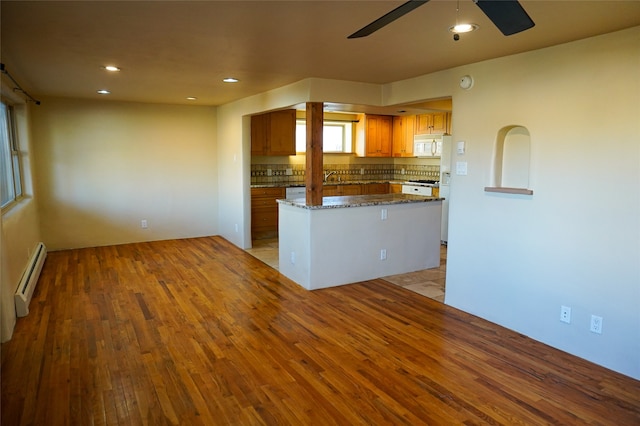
point(197, 331)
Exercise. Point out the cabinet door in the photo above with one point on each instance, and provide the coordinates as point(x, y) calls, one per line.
point(375, 188)
point(264, 212)
point(403, 131)
point(350, 189)
point(259, 134)
point(395, 188)
point(398, 142)
point(282, 132)
point(436, 123)
point(423, 124)
point(379, 135)
point(439, 123)
point(329, 190)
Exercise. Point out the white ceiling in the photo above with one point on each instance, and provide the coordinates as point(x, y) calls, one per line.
point(169, 50)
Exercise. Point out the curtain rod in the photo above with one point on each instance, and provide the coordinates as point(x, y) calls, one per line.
point(31, 98)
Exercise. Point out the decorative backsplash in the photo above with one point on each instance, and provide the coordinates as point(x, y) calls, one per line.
point(262, 174)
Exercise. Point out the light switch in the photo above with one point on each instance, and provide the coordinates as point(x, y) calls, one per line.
point(461, 168)
point(460, 148)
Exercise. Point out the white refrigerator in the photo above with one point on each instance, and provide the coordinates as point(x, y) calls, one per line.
point(445, 181)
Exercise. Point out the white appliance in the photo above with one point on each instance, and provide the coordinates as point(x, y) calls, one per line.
point(434, 146)
point(418, 188)
point(445, 182)
point(428, 146)
point(293, 192)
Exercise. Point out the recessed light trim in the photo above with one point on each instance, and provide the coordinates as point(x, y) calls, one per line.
point(112, 68)
point(463, 28)
point(104, 92)
point(191, 98)
point(230, 80)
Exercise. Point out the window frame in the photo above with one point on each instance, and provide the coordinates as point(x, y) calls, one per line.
point(15, 160)
point(347, 142)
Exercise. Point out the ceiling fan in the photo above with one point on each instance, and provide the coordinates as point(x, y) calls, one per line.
point(507, 15)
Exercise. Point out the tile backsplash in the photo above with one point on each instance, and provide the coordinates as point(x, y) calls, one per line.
point(262, 174)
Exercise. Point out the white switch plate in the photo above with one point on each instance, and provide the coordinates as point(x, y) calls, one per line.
point(383, 214)
point(461, 168)
point(460, 147)
point(288, 172)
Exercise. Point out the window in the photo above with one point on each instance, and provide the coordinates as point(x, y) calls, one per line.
point(337, 136)
point(10, 173)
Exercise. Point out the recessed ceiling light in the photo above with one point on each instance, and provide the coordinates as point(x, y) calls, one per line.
point(191, 98)
point(112, 68)
point(230, 80)
point(103, 92)
point(463, 28)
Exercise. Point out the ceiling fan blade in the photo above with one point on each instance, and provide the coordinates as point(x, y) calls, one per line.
point(508, 15)
point(396, 13)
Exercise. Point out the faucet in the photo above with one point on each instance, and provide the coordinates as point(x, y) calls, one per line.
point(326, 175)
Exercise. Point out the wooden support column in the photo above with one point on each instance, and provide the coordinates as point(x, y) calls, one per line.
point(313, 176)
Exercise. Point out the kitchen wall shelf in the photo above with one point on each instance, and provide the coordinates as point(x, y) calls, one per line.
point(512, 161)
point(505, 190)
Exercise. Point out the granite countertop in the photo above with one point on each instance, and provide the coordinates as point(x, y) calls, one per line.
point(344, 182)
point(360, 201)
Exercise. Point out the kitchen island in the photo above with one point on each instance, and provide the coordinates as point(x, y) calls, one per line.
point(355, 238)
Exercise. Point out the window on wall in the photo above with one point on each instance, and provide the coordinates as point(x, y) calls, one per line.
point(337, 136)
point(10, 173)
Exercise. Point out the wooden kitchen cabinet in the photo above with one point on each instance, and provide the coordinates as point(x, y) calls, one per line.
point(395, 188)
point(403, 131)
point(437, 123)
point(274, 133)
point(375, 188)
point(378, 134)
point(264, 212)
point(338, 190)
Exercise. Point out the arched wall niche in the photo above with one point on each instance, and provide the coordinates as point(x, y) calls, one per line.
point(512, 161)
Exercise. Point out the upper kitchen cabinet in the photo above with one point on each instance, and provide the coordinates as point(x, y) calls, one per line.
point(403, 131)
point(274, 133)
point(437, 123)
point(378, 133)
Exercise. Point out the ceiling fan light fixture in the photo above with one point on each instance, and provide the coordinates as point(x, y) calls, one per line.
point(230, 80)
point(463, 28)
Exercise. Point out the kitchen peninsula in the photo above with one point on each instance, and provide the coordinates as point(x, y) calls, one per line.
point(355, 238)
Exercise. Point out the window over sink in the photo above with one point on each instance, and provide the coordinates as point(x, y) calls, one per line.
point(337, 136)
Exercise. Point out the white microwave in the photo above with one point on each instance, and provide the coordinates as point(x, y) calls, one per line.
point(427, 145)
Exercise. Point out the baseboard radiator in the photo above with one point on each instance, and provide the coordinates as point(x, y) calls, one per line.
point(29, 279)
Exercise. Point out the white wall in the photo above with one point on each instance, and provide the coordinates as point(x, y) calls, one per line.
point(515, 259)
point(20, 231)
point(104, 166)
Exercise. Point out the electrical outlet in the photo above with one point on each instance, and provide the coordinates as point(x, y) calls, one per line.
point(269, 172)
point(236, 227)
point(596, 324)
point(143, 224)
point(383, 214)
point(383, 254)
point(565, 314)
point(288, 172)
point(293, 257)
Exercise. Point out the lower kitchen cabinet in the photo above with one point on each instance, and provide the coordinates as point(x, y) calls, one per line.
point(338, 190)
point(395, 188)
point(264, 212)
point(375, 188)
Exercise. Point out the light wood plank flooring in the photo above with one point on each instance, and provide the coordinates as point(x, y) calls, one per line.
point(199, 332)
